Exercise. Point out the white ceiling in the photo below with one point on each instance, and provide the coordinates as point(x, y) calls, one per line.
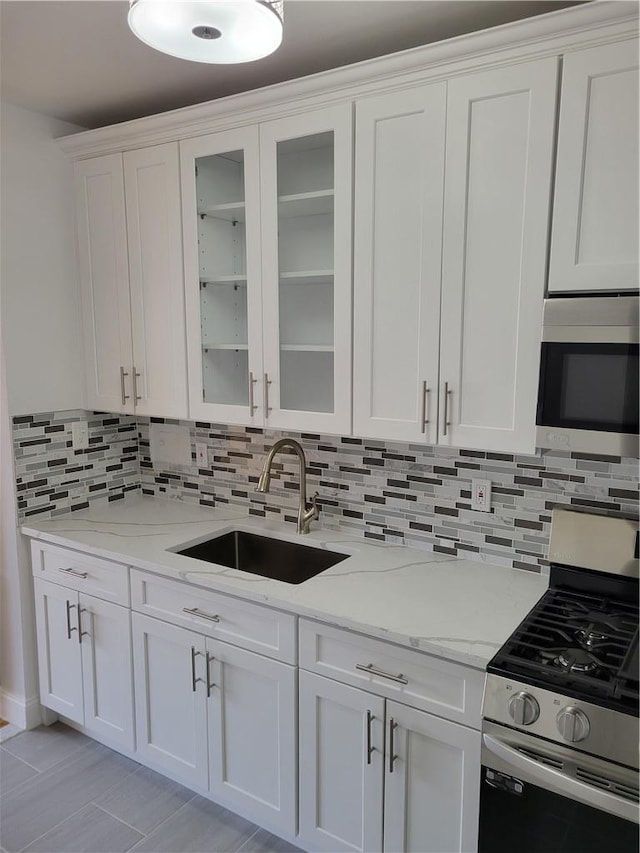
point(78, 61)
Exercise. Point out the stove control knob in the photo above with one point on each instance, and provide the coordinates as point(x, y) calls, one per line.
point(573, 724)
point(523, 709)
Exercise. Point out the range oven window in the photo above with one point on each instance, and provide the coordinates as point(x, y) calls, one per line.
point(517, 815)
point(590, 386)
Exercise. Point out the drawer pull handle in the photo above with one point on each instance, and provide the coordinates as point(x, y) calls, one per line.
point(392, 756)
point(194, 680)
point(372, 670)
point(370, 748)
point(69, 628)
point(193, 611)
point(73, 572)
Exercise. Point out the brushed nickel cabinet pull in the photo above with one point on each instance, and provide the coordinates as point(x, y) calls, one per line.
point(372, 670)
point(445, 420)
point(69, 628)
point(73, 572)
point(123, 391)
point(193, 611)
point(210, 683)
point(81, 633)
point(392, 756)
point(424, 418)
point(252, 382)
point(136, 376)
point(370, 748)
point(267, 382)
point(194, 680)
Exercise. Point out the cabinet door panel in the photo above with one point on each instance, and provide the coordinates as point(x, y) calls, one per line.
point(252, 735)
point(305, 172)
point(152, 184)
point(59, 654)
point(398, 234)
point(104, 281)
point(171, 728)
point(500, 127)
point(340, 791)
point(107, 670)
point(432, 793)
point(595, 216)
point(223, 275)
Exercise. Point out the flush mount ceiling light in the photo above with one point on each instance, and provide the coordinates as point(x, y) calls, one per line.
point(217, 31)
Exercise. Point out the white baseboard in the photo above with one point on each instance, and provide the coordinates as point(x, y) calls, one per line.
point(24, 713)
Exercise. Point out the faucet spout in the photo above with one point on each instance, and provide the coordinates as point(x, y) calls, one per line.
point(306, 512)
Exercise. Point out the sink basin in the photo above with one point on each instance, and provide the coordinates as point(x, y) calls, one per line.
point(260, 555)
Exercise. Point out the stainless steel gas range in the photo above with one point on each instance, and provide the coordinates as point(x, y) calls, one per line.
point(560, 712)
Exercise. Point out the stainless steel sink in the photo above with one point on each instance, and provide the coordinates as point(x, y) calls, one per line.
point(260, 555)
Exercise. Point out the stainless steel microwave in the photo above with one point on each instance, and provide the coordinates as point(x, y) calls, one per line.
point(588, 391)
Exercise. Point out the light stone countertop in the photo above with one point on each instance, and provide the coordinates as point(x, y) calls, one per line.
point(457, 609)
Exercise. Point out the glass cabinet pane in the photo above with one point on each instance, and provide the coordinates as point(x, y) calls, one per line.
point(222, 260)
point(305, 272)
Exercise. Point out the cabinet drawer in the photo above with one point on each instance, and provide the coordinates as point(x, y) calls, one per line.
point(414, 678)
point(259, 629)
point(101, 578)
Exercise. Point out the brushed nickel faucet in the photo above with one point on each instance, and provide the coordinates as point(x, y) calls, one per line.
point(306, 512)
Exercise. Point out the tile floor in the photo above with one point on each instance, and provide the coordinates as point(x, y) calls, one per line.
point(61, 792)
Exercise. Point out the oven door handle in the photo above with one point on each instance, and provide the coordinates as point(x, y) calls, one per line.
point(562, 783)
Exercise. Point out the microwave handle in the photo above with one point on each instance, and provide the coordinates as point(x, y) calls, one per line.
point(562, 783)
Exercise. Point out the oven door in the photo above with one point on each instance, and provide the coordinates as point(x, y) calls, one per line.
point(538, 797)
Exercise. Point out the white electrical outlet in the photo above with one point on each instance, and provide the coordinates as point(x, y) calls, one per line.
point(79, 435)
point(201, 454)
point(481, 495)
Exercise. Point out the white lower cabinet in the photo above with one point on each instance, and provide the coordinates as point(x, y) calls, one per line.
point(171, 714)
point(253, 735)
point(432, 782)
point(375, 773)
point(370, 746)
point(341, 765)
point(84, 660)
point(217, 718)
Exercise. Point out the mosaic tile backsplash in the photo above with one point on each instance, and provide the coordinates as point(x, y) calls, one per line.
point(417, 495)
point(53, 479)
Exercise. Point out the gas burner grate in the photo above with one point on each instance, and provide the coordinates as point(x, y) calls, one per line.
point(579, 643)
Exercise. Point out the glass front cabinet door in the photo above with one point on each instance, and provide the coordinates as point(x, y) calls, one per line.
point(267, 235)
point(306, 244)
point(221, 221)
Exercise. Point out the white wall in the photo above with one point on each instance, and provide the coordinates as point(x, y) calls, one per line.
point(40, 354)
point(19, 702)
point(39, 295)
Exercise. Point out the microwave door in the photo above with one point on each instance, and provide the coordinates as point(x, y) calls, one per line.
point(588, 397)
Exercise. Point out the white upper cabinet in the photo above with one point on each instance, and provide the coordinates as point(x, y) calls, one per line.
point(450, 257)
point(500, 135)
point(399, 182)
point(152, 193)
point(223, 277)
point(305, 166)
point(104, 281)
point(267, 231)
point(594, 242)
point(130, 255)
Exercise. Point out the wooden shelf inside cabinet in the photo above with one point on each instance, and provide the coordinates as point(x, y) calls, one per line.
point(306, 348)
point(231, 212)
point(305, 204)
point(223, 279)
point(307, 277)
point(217, 346)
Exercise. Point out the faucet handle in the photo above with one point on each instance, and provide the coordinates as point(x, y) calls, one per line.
point(314, 505)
